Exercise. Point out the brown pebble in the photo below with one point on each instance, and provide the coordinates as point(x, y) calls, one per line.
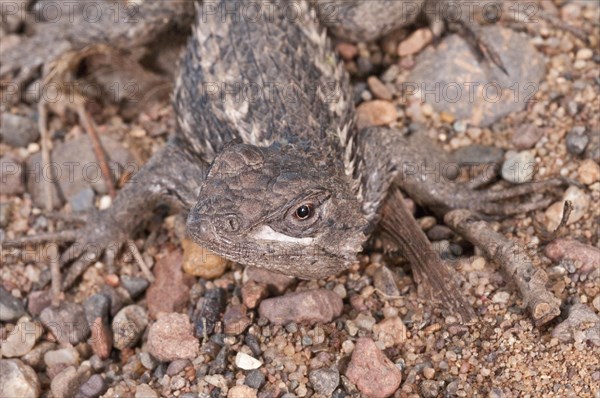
point(379, 89)
point(371, 371)
point(112, 280)
point(415, 42)
point(347, 51)
point(101, 339)
point(309, 307)
point(570, 249)
point(375, 113)
point(201, 262)
point(390, 331)
point(235, 320)
point(253, 293)
point(588, 172)
point(276, 283)
point(171, 337)
point(526, 136)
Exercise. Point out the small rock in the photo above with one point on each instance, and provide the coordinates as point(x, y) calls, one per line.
point(35, 357)
point(365, 322)
point(37, 301)
point(241, 392)
point(18, 379)
point(17, 130)
point(253, 293)
point(385, 282)
point(134, 285)
point(379, 90)
point(170, 291)
point(588, 172)
point(310, 307)
point(585, 256)
point(11, 176)
point(577, 141)
point(347, 51)
point(429, 389)
point(596, 303)
point(201, 262)
point(128, 326)
point(375, 113)
point(119, 298)
point(526, 136)
point(440, 232)
point(593, 149)
point(235, 320)
point(584, 54)
point(255, 379)
point(501, 297)
point(145, 391)
point(519, 168)
point(67, 356)
point(582, 325)
point(246, 362)
point(276, 283)
point(415, 42)
point(371, 371)
point(580, 201)
point(428, 373)
point(171, 337)
point(93, 387)
point(67, 383)
point(6, 213)
point(390, 331)
point(11, 308)
point(147, 361)
point(324, 380)
point(21, 340)
point(101, 340)
point(177, 366)
point(67, 322)
point(82, 200)
point(96, 306)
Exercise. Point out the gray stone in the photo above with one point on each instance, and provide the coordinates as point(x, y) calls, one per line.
point(67, 322)
point(385, 282)
point(11, 308)
point(255, 379)
point(519, 168)
point(577, 140)
point(128, 326)
point(593, 149)
point(17, 130)
point(134, 285)
point(93, 387)
point(96, 306)
point(82, 200)
point(478, 92)
point(66, 384)
point(11, 176)
point(526, 136)
point(324, 380)
point(18, 379)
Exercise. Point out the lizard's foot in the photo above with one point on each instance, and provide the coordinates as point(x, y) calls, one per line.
point(99, 234)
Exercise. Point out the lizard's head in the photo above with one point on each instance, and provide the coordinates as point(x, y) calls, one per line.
point(274, 208)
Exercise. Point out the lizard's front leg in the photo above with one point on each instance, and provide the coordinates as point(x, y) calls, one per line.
point(425, 172)
point(172, 177)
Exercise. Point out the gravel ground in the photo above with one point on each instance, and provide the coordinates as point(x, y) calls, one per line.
point(205, 327)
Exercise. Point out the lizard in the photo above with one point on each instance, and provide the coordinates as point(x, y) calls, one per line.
point(266, 160)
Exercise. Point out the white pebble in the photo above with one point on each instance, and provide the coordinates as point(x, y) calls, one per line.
point(246, 362)
point(105, 202)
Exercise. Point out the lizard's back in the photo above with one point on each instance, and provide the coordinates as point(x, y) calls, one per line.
point(263, 73)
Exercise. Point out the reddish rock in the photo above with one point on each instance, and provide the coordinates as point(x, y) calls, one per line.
point(309, 307)
point(170, 292)
point(253, 293)
point(102, 339)
point(371, 371)
point(276, 283)
point(587, 256)
point(235, 320)
point(375, 113)
point(347, 51)
point(171, 337)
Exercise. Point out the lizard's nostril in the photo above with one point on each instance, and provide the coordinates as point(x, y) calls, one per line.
point(232, 223)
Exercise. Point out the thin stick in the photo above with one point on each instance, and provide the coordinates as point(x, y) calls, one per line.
point(430, 272)
point(531, 281)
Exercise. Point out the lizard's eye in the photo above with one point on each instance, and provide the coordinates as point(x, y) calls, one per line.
point(304, 212)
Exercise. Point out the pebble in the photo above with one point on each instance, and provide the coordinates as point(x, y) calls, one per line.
point(199, 261)
point(11, 176)
point(580, 201)
point(593, 149)
point(82, 200)
point(93, 387)
point(308, 307)
point(147, 361)
point(365, 322)
point(385, 282)
point(519, 168)
point(501, 297)
point(526, 136)
point(17, 130)
point(582, 325)
point(324, 381)
point(415, 42)
point(253, 293)
point(177, 366)
point(145, 391)
point(134, 285)
point(439, 232)
point(242, 392)
point(170, 291)
point(391, 332)
point(588, 172)
point(67, 383)
point(172, 337)
point(75, 168)
point(35, 357)
point(18, 379)
point(6, 213)
point(584, 54)
point(67, 356)
point(255, 379)
point(375, 113)
point(128, 326)
point(11, 308)
point(67, 322)
point(246, 362)
point(596, 303)
point(276, 283)
point(429, 389)
point(379, 90)
point(236, 320)
point(371, 371)
point(101, 340)
point(428, 373)
point(585, 256)
point(577, 140)
point(455, 82)
point(96, 306)
point(347, 51)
